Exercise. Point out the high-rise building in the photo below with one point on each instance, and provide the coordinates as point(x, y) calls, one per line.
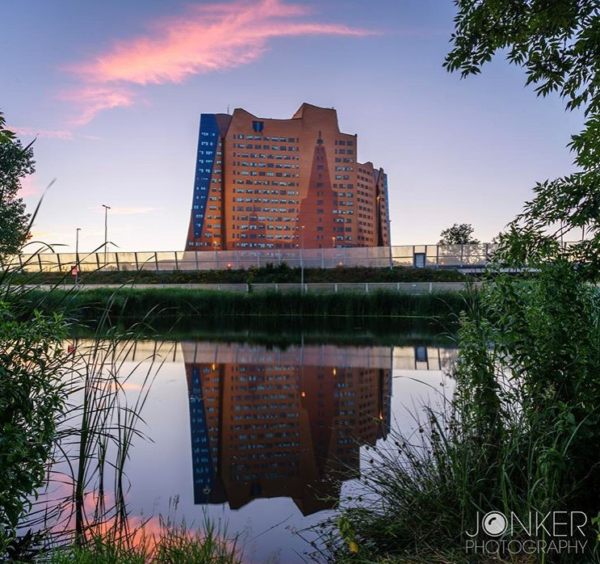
point(284, 184)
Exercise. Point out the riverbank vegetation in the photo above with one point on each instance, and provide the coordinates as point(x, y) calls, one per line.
point(133, 303)
point(519, 435)
point(67, 426)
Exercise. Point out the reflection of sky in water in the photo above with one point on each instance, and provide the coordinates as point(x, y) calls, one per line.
point(268, 427)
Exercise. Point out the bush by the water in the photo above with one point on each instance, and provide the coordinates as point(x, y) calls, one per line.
point(521, 434)
point(32, 398)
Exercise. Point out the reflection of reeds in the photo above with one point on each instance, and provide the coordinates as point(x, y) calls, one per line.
point(107, 394)
point(96, 435)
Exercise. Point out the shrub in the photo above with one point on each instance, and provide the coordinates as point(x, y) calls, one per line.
point(521, 433)
point(32, 396)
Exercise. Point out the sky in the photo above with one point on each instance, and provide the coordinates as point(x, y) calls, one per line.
point(114, 90)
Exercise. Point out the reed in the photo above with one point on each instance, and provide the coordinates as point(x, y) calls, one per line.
point(172, 544)
point(132, 303)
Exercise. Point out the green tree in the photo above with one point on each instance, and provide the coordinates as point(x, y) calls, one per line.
point(557, 43)
point(16, 162)
point(458, 234)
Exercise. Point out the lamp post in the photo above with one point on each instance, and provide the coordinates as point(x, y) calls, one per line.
point(389, 234)
point(77, 255)
point(106, 208)
point(302, 259)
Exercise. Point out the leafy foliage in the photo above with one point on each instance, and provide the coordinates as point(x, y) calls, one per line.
point(458, 235)
point(16, 163)
point(557, 43)
point(520, 433)
point(6, 135)
point(31, 399)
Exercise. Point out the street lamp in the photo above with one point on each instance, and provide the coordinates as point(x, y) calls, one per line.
point(389, 234)
point(77, 255)
point(106, 208)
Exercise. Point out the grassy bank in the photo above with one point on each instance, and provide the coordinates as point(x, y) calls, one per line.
point(131, 303)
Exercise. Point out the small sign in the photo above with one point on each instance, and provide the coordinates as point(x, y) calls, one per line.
point(74, 271)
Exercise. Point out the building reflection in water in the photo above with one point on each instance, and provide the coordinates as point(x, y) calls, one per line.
point(283, 423)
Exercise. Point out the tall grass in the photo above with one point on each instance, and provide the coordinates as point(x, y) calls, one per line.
point(89, 304)
point(171, 544)
point(520, 435)
point(88, 437)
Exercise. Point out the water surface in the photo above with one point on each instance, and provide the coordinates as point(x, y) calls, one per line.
point(266, 437)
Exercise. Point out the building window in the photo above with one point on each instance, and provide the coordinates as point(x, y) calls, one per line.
point(258, 126)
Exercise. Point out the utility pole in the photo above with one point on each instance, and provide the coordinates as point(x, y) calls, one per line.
point(106, 208)
point(77, 255)
point(389, 234)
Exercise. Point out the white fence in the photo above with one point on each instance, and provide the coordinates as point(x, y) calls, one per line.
point(421, 256)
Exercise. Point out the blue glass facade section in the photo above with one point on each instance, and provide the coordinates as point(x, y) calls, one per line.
point(208, 143)
point(387, 207)
point(203, 470)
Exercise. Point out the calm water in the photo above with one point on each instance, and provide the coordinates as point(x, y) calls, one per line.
point(256, 435)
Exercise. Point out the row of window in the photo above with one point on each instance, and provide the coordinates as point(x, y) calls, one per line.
point(265, 201)
point(266, 156)
point(290, 148)
point(266, 182)
point(266, 138)
point(264, 165)
point(275, 174)
point(258, 191)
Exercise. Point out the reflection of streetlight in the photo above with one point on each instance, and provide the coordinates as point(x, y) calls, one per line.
point(302, 259)
point(77, 254)
point(106, 208)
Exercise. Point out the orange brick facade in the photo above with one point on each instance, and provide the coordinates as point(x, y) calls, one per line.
point(284, 184)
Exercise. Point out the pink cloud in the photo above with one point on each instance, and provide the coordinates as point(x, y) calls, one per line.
point(50, 134)
point(94, 99)
point(206, 39)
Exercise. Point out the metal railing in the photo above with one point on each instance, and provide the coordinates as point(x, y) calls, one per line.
point(421, 256)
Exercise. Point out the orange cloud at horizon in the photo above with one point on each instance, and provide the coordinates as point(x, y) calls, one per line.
point(206, 39)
